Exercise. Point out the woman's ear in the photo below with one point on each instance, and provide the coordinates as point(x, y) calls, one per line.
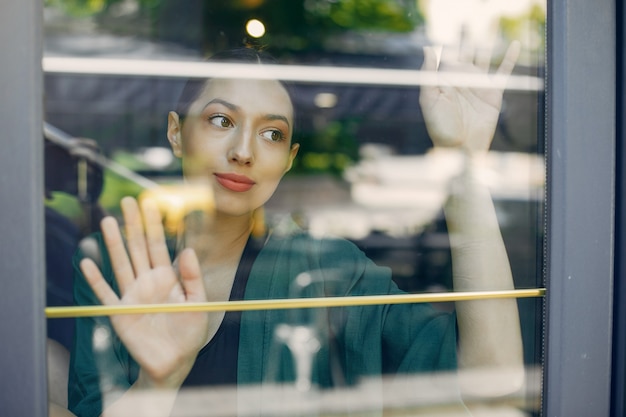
point(292, 155)
point(174, 130)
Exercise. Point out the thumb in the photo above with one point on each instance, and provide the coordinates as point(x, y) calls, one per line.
point(429, 94)
point(191, 276)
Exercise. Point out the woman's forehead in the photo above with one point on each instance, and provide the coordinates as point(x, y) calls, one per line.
point(269, 95)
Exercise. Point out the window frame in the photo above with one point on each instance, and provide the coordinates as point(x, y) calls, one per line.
point(22, 266)
point(618, 377)
point(580, 214)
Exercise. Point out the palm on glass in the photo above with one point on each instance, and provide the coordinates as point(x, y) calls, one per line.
point(163, 344)
point(462, 116)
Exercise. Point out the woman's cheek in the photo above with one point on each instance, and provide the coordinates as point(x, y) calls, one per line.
point(194, 163)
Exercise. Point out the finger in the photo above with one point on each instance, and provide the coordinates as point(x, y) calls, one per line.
point(450, 57)
point(135, 237)
point(122, 268)
point(482, 59)
point(155, 234)
point(96, 281)
point(430, 59)
point(466, 53)
point(510, 58)
point(191, 276)
point(429, 93)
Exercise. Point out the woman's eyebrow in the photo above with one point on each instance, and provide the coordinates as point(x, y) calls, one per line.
point(271, 117)
point(224, 103)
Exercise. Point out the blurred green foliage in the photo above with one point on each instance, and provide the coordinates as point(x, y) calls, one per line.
point(65, 204)
point(292, 25)
point(80, 8)
point(530, 25)
point(115, 188)
point(331, 150)
point(386, 15)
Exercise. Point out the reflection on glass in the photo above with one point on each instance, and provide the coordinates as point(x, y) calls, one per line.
point(397, 147)
point(175, 202)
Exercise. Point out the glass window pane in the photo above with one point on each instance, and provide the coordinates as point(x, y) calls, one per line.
point(327, 152)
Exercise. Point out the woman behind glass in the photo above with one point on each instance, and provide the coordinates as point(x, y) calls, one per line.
point(235, 136)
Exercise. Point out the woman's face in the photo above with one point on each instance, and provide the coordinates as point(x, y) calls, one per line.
point(237, 138)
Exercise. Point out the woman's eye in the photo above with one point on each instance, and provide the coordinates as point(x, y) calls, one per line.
point(220, 121)
point(273, 135)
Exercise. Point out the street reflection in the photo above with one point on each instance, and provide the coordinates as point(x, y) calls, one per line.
point(410, 395)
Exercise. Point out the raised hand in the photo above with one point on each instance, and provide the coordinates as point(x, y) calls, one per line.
point(165, 345)
point(464, 116)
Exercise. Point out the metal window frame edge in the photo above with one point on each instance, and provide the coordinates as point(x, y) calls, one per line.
point(22, 266)
point(581, 133)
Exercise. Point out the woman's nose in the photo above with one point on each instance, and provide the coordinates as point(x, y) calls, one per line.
point(242, 151)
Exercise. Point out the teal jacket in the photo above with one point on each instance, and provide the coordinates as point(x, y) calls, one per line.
point(354, 342)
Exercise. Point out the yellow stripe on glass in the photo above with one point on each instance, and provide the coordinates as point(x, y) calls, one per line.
point(289, 303)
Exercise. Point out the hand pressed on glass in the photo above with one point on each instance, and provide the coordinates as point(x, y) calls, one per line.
point(165, 345)
point(464, 116)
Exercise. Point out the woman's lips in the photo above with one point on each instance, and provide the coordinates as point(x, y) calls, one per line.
point(235, 182)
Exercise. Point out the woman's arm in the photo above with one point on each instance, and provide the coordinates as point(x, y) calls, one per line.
point(490, 344)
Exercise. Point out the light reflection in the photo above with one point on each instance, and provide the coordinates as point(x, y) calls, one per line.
point(177, 201)
point(325, 100)
point(310, 74)
point(409, 395)
point(101, 338)
point(303, 344)
point(157, 157)
point(476, 20)
point(400, 195)
point(255, 28)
